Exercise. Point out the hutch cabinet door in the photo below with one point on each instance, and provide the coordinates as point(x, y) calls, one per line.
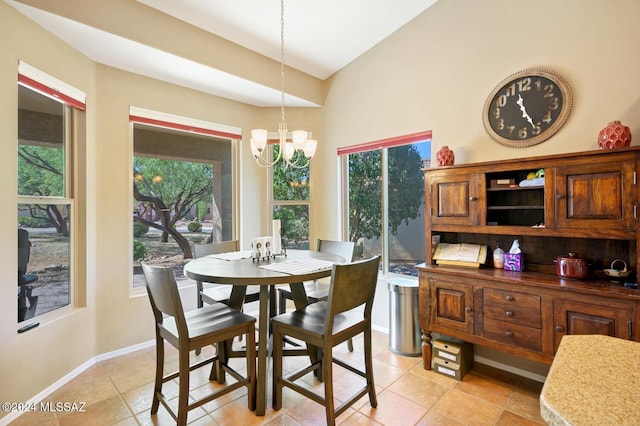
point(573, 317)
point(600, 195)
point(455, 199)
point(451, 305)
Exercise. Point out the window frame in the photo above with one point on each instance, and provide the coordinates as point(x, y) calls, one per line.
point(152, 118)
point(383, 145)
point(273, 203)
point(73, 106)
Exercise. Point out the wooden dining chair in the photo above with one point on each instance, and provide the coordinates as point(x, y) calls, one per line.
point(319, 290)
point(324, 325)
point(220, 292)
point(192, 330)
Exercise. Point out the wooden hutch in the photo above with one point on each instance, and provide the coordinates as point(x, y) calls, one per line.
point(587, 205)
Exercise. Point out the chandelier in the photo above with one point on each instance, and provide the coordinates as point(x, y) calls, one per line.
point(295, 148)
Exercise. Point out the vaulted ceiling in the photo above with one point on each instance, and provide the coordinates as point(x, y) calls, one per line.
point(321, 37)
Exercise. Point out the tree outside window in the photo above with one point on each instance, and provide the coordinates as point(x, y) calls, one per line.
point(388, 183)
point(182, 192)
point(290, 203)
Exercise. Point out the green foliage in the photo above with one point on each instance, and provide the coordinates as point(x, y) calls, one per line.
point(365, 195)
point(405, 192)
point(139, 250)
point(174, 181)
point(33, 222)
point(406, 185)
point(40, 171)
point(288, 183)
point(291, 184)
point(294, 223)
point(194, 226)
point(140, 229)
point(172, 189)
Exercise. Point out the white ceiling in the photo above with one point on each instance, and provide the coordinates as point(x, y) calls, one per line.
point(321, 37)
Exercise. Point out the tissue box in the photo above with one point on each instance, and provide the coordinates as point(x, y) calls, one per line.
point(514, 262)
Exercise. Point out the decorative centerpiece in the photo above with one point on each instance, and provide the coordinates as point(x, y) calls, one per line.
point(445, 156)
point(615, 135)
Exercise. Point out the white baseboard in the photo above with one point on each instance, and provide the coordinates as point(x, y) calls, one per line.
point(127, 350)
point(72, 375)
point(380, 329)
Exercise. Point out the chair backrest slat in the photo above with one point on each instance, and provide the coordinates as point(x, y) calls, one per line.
point(352, 285)
point(163, 290)
point(343, 249)
point(200, 250)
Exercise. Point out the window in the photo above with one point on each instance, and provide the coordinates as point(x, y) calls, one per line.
point(384, 189)
point(290, 202)
point(182, 190)
point(49, 118)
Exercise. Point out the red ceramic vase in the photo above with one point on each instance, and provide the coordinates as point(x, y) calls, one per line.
point(445, 156)
point(615, 135)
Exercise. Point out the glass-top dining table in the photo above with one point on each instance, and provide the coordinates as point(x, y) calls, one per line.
point(239, 269)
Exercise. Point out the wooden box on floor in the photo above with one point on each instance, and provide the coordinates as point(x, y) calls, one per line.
point(452, 357)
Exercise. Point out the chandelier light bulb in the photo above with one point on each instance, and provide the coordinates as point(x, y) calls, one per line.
point(310, 148)
point(259, 137)
point(289, 150)
point(299, 138)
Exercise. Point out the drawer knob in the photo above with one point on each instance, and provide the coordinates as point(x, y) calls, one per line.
point(509, 333)
point(559, 328)
point(509, 298)
point(467, 309)
point(473, 198)
point(509, 314)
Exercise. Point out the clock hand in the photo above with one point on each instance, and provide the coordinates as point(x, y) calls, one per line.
point(520, 102)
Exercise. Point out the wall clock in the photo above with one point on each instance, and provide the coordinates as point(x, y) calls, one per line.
point(527, 108)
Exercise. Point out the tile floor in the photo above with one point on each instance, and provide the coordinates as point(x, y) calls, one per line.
point(118, 392)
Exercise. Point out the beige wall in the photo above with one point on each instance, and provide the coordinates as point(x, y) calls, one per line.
point(47, 353)
point(434, 73)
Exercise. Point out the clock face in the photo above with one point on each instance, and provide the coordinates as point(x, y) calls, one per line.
point(527, 108)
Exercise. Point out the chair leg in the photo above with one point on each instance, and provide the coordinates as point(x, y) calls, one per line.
point(183, 390)
point(327, 375)
point(157, 389)
point(282, 303)
point(199, 303)
point(251, 367)
point(350, 345)
point(368, 365)
point(223, 349)
point(278, 342)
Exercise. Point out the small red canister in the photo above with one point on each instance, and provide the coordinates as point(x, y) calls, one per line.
point(572, 267)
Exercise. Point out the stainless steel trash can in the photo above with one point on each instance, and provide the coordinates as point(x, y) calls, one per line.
point(404, 330)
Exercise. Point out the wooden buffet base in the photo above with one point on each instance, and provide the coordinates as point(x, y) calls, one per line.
point(523, 313)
